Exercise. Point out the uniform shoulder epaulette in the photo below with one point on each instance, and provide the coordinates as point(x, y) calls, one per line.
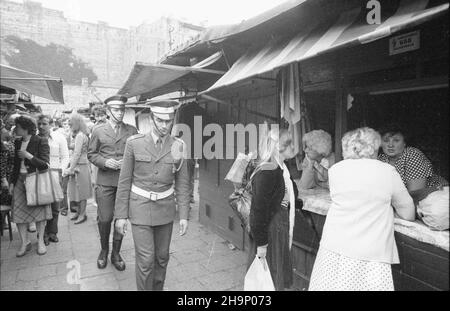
point(135, 136)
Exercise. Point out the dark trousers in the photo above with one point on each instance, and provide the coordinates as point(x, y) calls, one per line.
point(51, 228)
point(151, 244)
point(105, 196)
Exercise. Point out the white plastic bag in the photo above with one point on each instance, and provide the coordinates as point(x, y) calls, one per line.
point(258, 276)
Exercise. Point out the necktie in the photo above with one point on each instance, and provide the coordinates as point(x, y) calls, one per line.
point(159, 144)
point(117, 129)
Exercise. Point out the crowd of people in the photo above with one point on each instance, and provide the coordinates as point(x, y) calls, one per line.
point(379, 178)
point(137, 178)
point(31, 143)
point(99, 159)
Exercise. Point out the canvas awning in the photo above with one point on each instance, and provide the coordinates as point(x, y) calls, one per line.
point(32, 83)
point(158, 79)
point(350, 28)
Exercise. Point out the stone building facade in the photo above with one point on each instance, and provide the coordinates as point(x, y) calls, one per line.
point(90, 57)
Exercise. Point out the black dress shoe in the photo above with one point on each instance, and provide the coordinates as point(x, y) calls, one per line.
point(53, 238)
point(46, 240)
point(102, 260)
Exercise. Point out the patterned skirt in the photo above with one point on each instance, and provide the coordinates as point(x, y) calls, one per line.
point(79, 186)
point(335, 272)
point(21, 212)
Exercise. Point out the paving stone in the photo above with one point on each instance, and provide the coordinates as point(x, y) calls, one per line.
point(186, 243)
point(187, 285)
point(36, 273)
point(129, 272)
point(192, 270)
point(220, 264)
point(21, 286)
point(63, 256)
point(57, 283)
point(31, 259)
point(8, 277)
point(221, 280)
point(106, 282)
point(128, 284)
point(90, 269)
point(87, 256)
point(187, 256)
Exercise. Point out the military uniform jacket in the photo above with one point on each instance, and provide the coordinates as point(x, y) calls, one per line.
point(104, 144)
point(151, 170)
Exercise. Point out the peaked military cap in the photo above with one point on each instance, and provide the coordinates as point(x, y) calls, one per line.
point(116, 100)
point(163, 109)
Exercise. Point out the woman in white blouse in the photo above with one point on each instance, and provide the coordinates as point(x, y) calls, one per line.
point(358, 247)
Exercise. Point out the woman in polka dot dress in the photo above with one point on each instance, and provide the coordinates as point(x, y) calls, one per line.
point(358, 247)
point(429, 191)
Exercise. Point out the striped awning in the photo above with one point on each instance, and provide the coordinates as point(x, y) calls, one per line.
point(158, 79)
point(32, 83)
point(347, 29)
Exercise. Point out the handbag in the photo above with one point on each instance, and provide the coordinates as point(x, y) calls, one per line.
point(258, 277)
point(241, 200)
point(43, 188)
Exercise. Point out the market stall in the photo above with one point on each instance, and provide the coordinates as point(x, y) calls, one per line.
point(32, 83)
point(351, 74)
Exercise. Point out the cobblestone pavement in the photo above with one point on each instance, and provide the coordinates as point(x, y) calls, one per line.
point(199, 260)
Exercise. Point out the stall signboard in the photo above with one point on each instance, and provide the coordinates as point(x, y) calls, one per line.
point(404, 43)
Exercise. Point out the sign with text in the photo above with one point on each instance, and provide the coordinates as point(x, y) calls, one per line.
point(404, 43)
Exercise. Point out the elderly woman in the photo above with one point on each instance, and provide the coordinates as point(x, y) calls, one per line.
point(318, 159)
point(429, 190)
point(272, 207)
point(79, 187)
point(358, 247)
point(32, 153)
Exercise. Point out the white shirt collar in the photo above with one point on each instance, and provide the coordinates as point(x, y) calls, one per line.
point(155, 137)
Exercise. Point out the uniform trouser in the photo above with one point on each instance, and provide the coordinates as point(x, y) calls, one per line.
point(151, 244)
point(52, 225)
point(105, 197)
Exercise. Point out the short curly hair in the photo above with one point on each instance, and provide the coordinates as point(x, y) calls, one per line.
point(320, 141)
point(27, 123)
point(362, 143)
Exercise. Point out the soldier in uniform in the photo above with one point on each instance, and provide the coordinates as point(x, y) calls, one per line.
point(154, 173)
point(106, 148)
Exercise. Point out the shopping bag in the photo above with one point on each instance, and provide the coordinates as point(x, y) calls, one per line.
point(258, 276)
point(237, 170)
point(42, 188)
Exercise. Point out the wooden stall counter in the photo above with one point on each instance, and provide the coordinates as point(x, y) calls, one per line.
point(424, 253)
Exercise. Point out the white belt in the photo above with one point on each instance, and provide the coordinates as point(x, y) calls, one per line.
point(153, 196)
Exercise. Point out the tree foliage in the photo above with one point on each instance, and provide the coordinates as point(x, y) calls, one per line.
point(52, 59)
